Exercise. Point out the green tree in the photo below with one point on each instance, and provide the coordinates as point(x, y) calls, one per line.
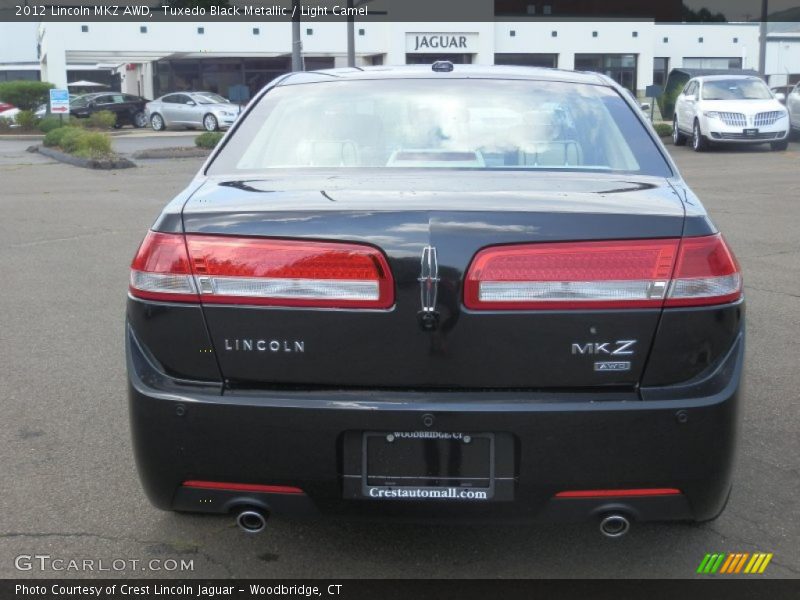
point(703, 15)
point(25, 95)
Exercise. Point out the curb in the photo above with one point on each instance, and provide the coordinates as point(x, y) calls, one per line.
point(176, 152)
point(86, 163)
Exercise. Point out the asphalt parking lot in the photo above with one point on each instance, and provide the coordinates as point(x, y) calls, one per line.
point(70, 488)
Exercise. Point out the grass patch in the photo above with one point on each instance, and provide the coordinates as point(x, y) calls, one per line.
point(663, 129)
point(209, 139)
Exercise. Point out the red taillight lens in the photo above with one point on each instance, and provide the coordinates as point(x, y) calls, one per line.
point(236, 270)
point(607, 274)
point(161, 270)
point(706, 273)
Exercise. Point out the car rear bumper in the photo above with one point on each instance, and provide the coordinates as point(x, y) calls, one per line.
point(559, 442)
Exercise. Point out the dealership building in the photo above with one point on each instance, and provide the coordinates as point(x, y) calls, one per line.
point(153, 57)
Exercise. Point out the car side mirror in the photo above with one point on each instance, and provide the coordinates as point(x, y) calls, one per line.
point(780, 96)
point(191, 103)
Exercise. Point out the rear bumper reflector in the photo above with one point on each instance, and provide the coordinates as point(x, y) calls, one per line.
point(629, 493)
point(242, 487)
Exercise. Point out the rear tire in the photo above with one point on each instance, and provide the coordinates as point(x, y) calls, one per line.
point(157, 122)
point(780, 146)
point(140, 120)
point(699, 141)
point(678, 138)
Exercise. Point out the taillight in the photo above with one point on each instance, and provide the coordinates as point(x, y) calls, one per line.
point(161, 270)
point(706, 273)
point(259, 271)
point(603, 275)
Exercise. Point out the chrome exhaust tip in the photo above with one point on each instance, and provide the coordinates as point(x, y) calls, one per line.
point(614, 526)
point(251, 521)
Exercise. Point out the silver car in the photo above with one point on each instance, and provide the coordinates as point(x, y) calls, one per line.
point(191, 109)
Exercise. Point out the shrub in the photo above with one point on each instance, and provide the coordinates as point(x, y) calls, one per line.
point(5, 125)
point(77, 141)
point(54, 138)
point(25, 95)
point(76, 122)
point(663, 129)
point(103, 119)
point(70, 139)
point(27, 120)
point(48, 124)
point(93, 144)
point(209, 139)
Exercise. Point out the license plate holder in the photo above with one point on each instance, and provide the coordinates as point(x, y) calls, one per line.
point(425, 465)
point(750, 132)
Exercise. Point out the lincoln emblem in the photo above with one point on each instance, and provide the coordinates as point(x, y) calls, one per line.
point(428, 288)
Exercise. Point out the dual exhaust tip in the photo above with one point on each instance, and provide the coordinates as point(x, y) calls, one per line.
point(254, 520)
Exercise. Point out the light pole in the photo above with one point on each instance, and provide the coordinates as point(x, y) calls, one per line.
point(351, 35)
point(762, 41)
point(297, 44)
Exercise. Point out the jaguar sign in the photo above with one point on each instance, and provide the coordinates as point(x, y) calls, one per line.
point(437, 42)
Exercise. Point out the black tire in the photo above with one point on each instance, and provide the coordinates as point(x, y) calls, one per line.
point(678, 138)
point(780, 146)
point(157, 122)
point(139, 120)
point(699, 141)
point(210, 123)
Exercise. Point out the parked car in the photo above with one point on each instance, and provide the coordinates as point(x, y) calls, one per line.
point(10, 115)
point(729, 108)
point(390, 301)
point(781, 92)
point(793, 104)
point(192, 109)
point(130, 110)
point(4, 106)
point(41, 110)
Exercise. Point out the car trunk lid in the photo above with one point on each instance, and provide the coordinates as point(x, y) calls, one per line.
point(408, 217)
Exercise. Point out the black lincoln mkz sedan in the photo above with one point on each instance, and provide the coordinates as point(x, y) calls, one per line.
point(129, 110)
point(459, 292)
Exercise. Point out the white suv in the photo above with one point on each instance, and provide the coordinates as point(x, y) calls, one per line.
point(729, 108)
point(793, 104)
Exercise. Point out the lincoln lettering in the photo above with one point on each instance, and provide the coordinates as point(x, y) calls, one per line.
point(440, 41)
point(254, 345)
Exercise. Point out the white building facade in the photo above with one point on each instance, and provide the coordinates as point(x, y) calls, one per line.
point(153, 58)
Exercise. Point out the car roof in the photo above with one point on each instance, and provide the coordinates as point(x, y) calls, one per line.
point(458, 72)
point(726, 77)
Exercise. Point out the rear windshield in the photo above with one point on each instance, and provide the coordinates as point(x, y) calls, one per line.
point(736, 89)
point(442, 124)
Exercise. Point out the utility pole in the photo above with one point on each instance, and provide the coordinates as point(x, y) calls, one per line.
point(297, 44)
point(762, 41)
point(351, 35)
